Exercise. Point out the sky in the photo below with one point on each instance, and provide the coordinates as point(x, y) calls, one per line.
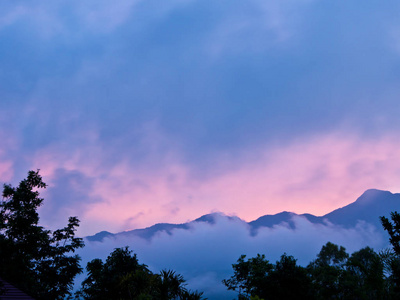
point(139, 112)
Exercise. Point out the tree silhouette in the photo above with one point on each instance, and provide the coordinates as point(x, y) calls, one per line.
point(392, 257)
point(393, 228)
point(287, 280)
point(363, 278)
point(170, 285)
point(248, 276)
point(35, 260)
point(123, 277)
point(114, 279)
point(326, 270)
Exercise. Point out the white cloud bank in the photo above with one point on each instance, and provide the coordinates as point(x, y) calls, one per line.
point(204, 253)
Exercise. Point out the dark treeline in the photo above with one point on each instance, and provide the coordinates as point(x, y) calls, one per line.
point(334, 274)
point(42, 263)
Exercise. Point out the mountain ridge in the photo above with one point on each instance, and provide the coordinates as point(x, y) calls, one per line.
point(372, 204)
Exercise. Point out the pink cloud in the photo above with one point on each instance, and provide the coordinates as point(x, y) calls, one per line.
point(315, 175)
point(8, 146)
point(6, 171)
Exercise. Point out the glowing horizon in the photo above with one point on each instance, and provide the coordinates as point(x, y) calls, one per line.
point(325, 178)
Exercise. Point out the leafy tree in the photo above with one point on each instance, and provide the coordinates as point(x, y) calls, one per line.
point(170, 285)
point(248, 276)
point(391, 258)
point(363, 278)
point(123, 277)
point(391, 271)
point(327, 270)
point(287, 280)
point(117, 278)
point(190, 295)
point(393, 228)
point(365, 275)
point(256, 278)
point(35, 260)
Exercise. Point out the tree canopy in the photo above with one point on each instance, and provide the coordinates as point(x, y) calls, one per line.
point(121, 276)
point(257, 278)
point(37, 261)
point(334, 274)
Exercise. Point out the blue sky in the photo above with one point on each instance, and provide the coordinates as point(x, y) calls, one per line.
point(140, 112)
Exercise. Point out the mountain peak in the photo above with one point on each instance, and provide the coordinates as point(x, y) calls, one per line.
point(209, 218)
point(100, 236)
point(373, 195)
point(369, 207)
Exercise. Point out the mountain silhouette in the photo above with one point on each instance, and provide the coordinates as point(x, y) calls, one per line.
point(367, 208)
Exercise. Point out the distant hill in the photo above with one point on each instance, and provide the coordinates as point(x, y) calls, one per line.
point(368, 208)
